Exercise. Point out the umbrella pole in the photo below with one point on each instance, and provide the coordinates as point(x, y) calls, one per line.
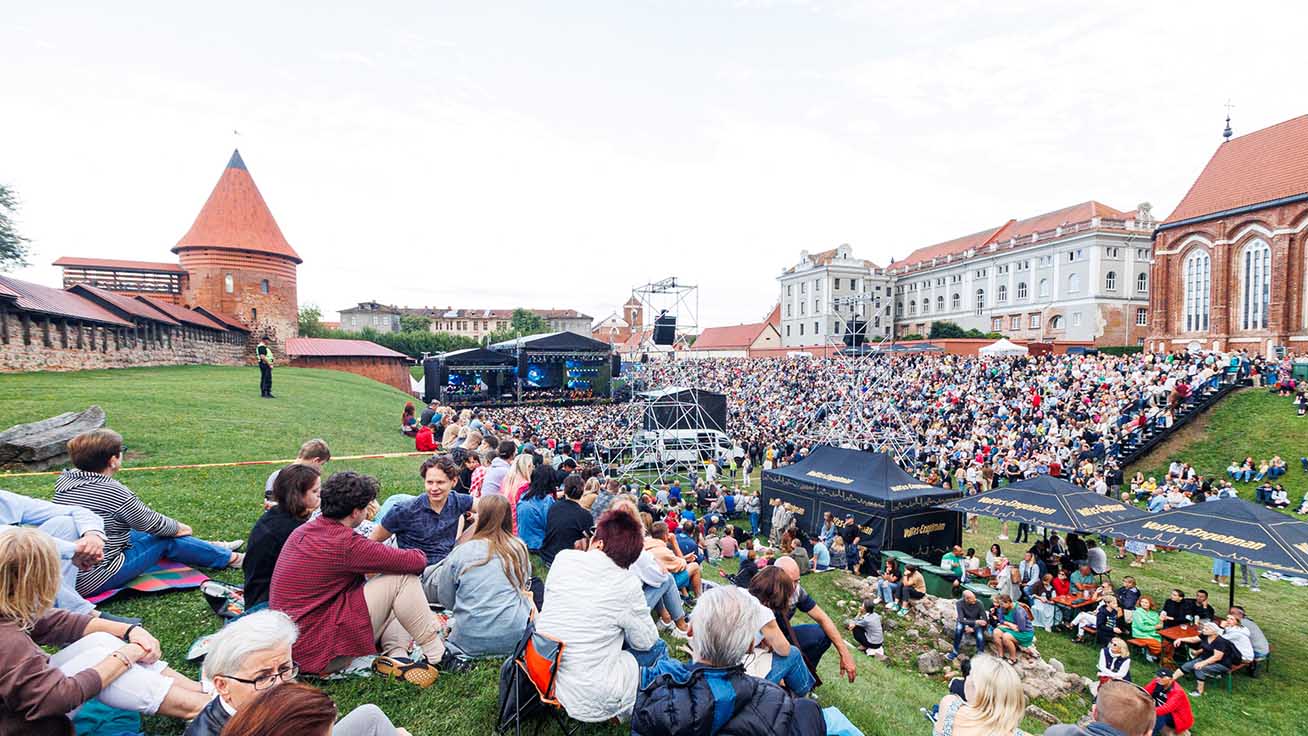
point(1231, 602)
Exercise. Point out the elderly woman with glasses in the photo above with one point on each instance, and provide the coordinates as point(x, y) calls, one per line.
point(252, 655)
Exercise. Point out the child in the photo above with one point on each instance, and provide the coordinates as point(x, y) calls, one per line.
point(867, 631)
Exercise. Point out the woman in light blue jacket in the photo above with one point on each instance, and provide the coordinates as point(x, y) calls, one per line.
point(486, 583)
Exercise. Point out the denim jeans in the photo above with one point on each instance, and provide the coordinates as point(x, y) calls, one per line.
point(812, 640)
point(66, 598)
point(649, 657)
point(791, 672)
point(887, 591)
point(1161, 722)
point(665, 596)
point(977, 631)
point(147, 549)
point(753, 523)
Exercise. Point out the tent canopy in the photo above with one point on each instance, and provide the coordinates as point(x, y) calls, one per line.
point(476, 356)
point(1002, 346)
point(684, 408)
point(553, 341)
point(1047, 501)
point(1228, 529)
point(893, 509)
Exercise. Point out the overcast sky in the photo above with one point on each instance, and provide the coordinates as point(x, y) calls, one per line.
point(558, 154)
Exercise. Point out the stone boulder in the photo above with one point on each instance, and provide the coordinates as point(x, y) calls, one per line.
point(930, 663)
point(43, 445)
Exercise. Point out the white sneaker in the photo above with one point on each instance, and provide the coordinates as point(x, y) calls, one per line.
point(1003, 537)
point(666, 625)
point(233, 545)
point(679, 634)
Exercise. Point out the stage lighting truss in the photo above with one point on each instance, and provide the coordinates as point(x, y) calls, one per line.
point(664, 451)
point(669, 297)
point(855, 420)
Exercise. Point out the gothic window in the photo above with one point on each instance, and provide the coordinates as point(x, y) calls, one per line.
point(1256, 279)
point(1197, 274)
point(229, 284)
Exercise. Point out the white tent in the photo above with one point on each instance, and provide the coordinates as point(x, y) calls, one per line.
point(1002, 347)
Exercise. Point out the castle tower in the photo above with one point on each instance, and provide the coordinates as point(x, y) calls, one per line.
point(238, 262)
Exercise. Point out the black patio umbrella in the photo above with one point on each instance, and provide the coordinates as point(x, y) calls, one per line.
point(1228, 529)
point(1049, 502)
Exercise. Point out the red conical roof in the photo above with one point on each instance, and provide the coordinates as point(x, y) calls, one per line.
point(236, 217)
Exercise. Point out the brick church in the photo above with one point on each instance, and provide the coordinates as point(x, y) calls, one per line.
point(1231, 261)
point(233, 263)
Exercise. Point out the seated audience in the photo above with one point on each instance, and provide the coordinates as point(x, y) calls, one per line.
point(252, 655)
point(686, 575)
point(970, 620)
point(486, 583)
point(1236, 633)
point(97, 658)
point(350, 595)
point(868, 632)
point(1144, 628)
point(888, 586)
point(532, 503)
point(595, 606)
point(911, 588)
point(430, 523)
point(136, 537)
point(675, 699)
point(295, 708)
point(295, 497)
point(1115, 661)
point(994, 704)
point(1120, 709)
point(313, 452)
point(1198, 608)
point(1174, 609)
point(1257, 639)
point(1216, 656)
point(1045, 613)
point(567, 524)
point(816, 638)
point(773, 589)
point(78, 534)
point(1171, 704)
point(1014, 630)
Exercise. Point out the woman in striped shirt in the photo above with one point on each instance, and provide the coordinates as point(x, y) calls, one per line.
point(136, 537)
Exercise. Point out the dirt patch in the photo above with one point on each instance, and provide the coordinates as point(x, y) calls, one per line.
point(1183, 438)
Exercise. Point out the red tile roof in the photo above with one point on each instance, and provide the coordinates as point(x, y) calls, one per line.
point(728, 338)
point(1259, 167)
point(7, 292)
point(1082, 212)
point(823, 258)
point(124, 304)
point(182, 314)
point(117, 265)
point(236, 217)
point(324, 347)
point(223, 320)
point(774, 317)
point(58, 303)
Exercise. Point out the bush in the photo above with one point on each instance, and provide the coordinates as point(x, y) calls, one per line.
point(1122, 350)
point(912, 336)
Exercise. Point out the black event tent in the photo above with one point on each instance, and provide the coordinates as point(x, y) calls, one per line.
point(685, 408)
point(893, 509)
point(1047, 501)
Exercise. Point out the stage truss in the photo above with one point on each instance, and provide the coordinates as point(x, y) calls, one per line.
point(853, 421)
point(664, 450)
point(669, 297)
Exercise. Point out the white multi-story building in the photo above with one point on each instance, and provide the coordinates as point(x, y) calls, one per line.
point(1078, 274)
point(830, 293)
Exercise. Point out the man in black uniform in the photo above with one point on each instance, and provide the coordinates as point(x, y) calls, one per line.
point(265, 369)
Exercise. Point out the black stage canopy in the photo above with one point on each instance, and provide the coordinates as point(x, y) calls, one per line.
point(685, 408)
point(893, 509)
point(552, 342)
point(478, 358)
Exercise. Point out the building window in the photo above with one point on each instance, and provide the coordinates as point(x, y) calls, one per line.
point(1044, 289)
point(1141, 316)
point(263, 286)
point(817, 329)
point(980, 300)
point(1021, 290)
point(912, 307)
point(787, 330)
point(788, 310)
point(1001, 295)
point(1111, 252)
point(1015, 322)
point(229, 284)
point(790, 289)
point(1257, 281)
point(1074, 283)
point(803, 287)
point(802, 307)
point(1110, 281)
point(926, 306)
point(1142, 283)
point(1076, 319)
point(1034, 321)
point(1056, 323)
point(835, 284)
point(254, 314)
point(1142, 254)
point(1197, 274)
point(940, 304)
point(801, 329)
point(996, 324)
point(955, 301)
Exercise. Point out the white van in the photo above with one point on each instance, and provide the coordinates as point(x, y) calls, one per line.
point(679, 447)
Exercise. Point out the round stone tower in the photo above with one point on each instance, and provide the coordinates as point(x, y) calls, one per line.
point(238, 263)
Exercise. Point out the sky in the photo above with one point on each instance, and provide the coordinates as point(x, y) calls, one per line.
point(556, 155)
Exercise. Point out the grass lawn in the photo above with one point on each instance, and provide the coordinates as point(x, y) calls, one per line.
point(213, 414)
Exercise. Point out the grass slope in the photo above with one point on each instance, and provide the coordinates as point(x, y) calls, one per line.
point(213, 414)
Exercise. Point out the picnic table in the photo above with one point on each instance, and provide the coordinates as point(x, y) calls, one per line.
point(1169, 637)
point(1074, 601)
point(981, 572)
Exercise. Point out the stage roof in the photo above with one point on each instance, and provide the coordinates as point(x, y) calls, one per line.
point(553, 341)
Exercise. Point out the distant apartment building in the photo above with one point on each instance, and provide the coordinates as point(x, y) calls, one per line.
point(371, 315)
point(829, 293)
point(1078, 274)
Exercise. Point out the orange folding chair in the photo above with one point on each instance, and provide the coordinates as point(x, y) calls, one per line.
point(537, 662)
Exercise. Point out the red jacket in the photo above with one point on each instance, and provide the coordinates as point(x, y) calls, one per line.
point(1177, 705)
point(423, 441)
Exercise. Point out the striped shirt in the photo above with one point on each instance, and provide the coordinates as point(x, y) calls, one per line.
point(121, 511)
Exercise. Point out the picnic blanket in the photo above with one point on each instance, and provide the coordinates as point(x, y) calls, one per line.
point(165, 575)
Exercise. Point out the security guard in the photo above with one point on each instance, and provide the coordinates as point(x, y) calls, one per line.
point(265, 369)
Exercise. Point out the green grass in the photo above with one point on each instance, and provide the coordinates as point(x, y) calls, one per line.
point(416, 371)
point(213, 414)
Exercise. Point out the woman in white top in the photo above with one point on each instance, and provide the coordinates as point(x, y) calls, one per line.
point(1115, 661)
point(995, 702)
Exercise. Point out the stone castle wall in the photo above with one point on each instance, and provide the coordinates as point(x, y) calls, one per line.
point(50, 344)
point(390, 371)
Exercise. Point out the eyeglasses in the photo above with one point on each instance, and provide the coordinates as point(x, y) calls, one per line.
point(263, 682)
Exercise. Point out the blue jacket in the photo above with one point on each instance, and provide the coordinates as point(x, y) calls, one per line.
point(531, 521)
point(693, 700)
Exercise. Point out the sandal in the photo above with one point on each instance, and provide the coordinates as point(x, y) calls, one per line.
point(421, 674)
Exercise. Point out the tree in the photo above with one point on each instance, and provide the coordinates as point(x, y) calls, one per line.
point(13, 247)
point(311, 321)
point(414, 323)
point(523, 322)
point(942, 329)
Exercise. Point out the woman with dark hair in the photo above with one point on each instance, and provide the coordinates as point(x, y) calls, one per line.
point(296, 493)
point(293, 708)
point(773, 589)
point(486, 583)
point(597, 608)
point(408, 420)
point(534, 506)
